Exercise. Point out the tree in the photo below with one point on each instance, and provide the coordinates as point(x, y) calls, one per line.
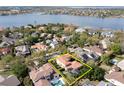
point(20, 70)
point(116, 48)
point(27, 81)
point(95, 74)
point(105, 58)
point(7, 59)
point(31, 39)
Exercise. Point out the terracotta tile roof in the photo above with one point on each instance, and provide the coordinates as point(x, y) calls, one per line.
point(65, 59)
point(75, 65)
point(119, 76)
point(4, 50)
point(42, 82)
point(39, 46)
point(42, 72)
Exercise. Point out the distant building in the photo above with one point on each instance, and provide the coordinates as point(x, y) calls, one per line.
point(105, 43)
point(80, 30)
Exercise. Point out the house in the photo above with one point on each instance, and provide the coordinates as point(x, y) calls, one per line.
point(107, 34)
point(83, 54)
point(35, 34)
point(115, 69)
point(80, 30)
point(55, 28)
point(42, 28)
point(9, 81)
point(68, 63)
point(4, 51)
point(69, 28)
point(75, 49)
point(4, 44)
point(42, 82)
point(28, 26)
point(49, 36)
point(41, 75)
point(43, 35)
point(7, 41)
point(22, 50)
point(121, 65)
point(65, 38)
point(53, 43)
point(94, 49)
point(16, 35)
point(116, 78)
point(39, 47)
point(105, 43)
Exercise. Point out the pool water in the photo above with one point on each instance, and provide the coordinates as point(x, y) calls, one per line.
point(57, 82)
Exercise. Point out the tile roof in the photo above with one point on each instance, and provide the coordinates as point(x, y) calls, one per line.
point(9, 81)
point(95, 49)
point(121, 64)
point(42, 82)
point(39, 46)
point(42, 72)
point(75, 65)
point(66, 60)
point(118, 76)
point(4, 50)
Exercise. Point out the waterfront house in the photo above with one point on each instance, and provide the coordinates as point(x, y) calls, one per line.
point(107, 34)
point(80, 30)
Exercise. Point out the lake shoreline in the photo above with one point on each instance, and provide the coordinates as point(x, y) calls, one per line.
point(81, 21)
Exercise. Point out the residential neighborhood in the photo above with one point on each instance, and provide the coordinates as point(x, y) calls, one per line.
point(25, 53)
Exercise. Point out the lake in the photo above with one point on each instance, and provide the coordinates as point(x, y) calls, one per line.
point(36, 18)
